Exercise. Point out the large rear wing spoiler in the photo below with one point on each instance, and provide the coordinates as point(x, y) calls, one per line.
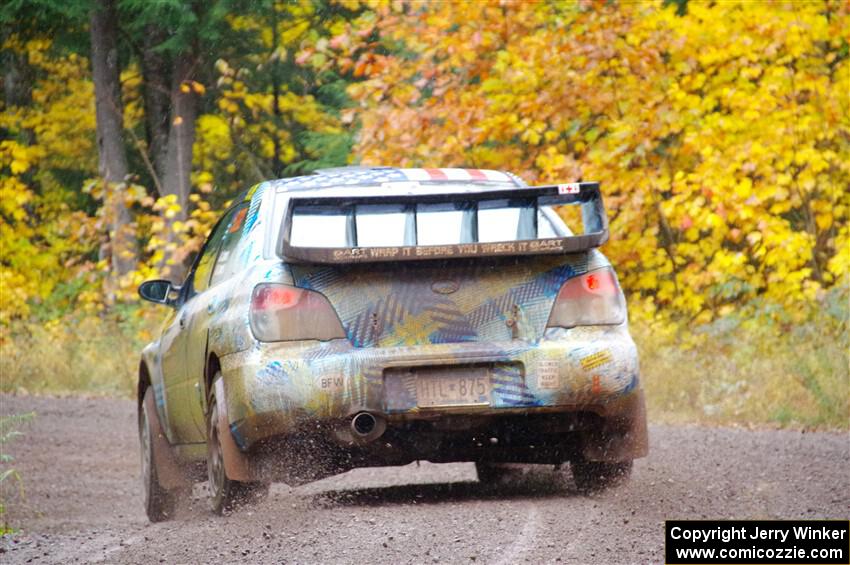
point(585, 194)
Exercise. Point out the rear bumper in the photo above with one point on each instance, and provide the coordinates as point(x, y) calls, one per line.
point(278, 389)
point(552, 437)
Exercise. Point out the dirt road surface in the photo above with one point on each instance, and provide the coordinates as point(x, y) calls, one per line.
point(79, 461)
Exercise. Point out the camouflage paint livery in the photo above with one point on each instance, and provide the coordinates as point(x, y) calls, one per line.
point(415, 327)
point(396, 317)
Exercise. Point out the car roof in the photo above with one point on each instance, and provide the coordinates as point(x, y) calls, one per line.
point(369, 181)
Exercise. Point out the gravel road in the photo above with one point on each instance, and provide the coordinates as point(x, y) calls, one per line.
point(79, 461)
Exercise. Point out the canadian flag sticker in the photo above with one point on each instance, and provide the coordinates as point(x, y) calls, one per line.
point(569, 188)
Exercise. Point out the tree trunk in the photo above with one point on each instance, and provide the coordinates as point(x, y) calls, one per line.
point(176, 177)
point(156, 93)
point(112, 157)
point(277, 165)
point(18, 78)
point(181, 135)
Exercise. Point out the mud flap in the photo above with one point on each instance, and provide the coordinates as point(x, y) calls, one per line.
point(237, 466)
point(169, 472)
point(621, 439)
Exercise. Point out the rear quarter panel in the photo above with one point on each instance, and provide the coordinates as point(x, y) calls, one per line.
point(229, 323)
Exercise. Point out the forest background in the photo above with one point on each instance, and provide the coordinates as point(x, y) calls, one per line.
point(720, 132)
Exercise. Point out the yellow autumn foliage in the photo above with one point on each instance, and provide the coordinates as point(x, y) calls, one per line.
point(40, 235)
point(721, 137)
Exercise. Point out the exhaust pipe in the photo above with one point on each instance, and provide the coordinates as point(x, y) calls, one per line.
point(366, 427)
point(363, 424)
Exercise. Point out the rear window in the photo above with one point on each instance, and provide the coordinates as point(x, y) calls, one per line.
point(424, 224)
point(322, 227)
point(440, 224)
point(384, 225)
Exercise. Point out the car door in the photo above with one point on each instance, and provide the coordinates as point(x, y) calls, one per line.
point(171, 349)
point(211, 299)
point(184, 401)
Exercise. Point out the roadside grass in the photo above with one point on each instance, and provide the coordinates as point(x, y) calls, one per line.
point(753, 370)
point(759, 369)
point(11, 483)
point(90, 355)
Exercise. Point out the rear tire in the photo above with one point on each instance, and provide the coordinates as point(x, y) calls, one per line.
point(159, 502)
point(591, 476)
point(225, 494)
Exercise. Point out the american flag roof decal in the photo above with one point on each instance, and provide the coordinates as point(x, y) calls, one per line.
point(455, 175)
point(354, 176)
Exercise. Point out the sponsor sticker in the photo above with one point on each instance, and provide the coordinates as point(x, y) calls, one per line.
point(349, 254)
point(548, 374)
point(238, 221)
point(596, 386)
point(332, 383)
point(596, 360)
point(569, 188)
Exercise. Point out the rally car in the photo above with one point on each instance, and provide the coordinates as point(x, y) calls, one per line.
point(370, 316)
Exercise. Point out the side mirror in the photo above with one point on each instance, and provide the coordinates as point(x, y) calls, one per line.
point(157, 291)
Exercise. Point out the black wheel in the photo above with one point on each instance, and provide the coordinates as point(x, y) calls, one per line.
point(159, 502)
point(225, 494)
point(489, 473)
point(592, 476)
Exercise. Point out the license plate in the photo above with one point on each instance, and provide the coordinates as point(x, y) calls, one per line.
point(467, 387)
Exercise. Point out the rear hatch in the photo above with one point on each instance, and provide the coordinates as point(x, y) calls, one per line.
point(448, 301)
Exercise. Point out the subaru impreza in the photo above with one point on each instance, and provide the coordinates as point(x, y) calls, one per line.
point(369, 316)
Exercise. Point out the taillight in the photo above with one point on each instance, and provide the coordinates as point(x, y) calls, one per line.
point(591, 299)
point(286, 313)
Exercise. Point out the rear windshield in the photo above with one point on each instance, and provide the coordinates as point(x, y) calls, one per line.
point(424, 224)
